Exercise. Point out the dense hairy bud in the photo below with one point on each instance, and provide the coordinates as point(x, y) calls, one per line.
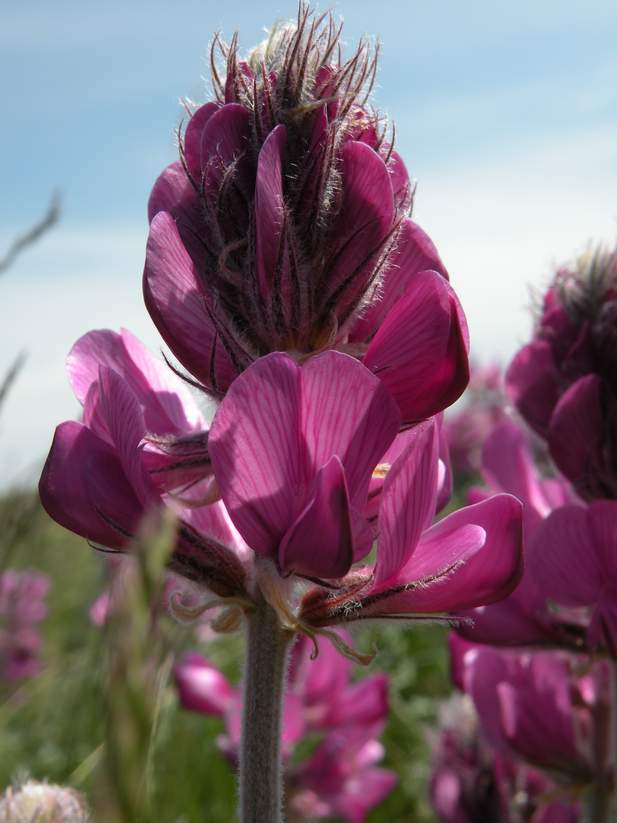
point(284, 225)
point(565, 381)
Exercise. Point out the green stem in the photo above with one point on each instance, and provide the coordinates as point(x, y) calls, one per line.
point(267, 646)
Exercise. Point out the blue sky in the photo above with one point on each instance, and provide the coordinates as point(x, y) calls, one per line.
point(506, 114)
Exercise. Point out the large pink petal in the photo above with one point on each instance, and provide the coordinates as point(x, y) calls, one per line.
point(532, 383)
point(420, 350)
point(177, 304)
point(470, 558)
point(408, 501)
point(415, 252)
point(84, 488)
point(576, 429)
point(256, 451)
point(327, 515)
point(346, 411)
point(565, 562)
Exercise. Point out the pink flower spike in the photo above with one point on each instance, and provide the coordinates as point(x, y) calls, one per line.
point(421, 349)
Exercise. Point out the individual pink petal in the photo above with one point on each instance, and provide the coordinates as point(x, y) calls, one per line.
point(327, 515)
point(177, 304)
point(201, 686)
point(269, 210)
point(415, 252)
point(470, 558)
point(167, 403)
point(196, 150)
point(125, 423)
point(420, 350)
point(78, 465)
point(576, 429)
point(358, 430)
point(218, 138)
point(532, 384)
point(407, 501)
point(257, 453)
point(172, 192)
point(363, 703)
point(365, 219)
point(603, 520)
point(566, 565)
point(507, 464)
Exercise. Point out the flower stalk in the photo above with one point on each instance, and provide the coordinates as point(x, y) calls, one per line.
point(261, 778)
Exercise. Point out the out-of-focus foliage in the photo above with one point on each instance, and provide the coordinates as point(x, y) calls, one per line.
point(53, 727)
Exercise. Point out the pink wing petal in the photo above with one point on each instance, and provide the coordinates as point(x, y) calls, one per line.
point(168, 404)
point(415, 252)
point(320, 542)
point(364, 221)
point(508, 465)
point(603, 517)
point(346, 411)
point(269, 208)
point(195, 153)
point(408, 501)
point(420, 350)
point(177, 304)
point(256, 451)
point(172, 192)
point(470, 558)
point(576, 429)
point(78, 464)
point(566, 564)
point(125, 423)
point(532, 383)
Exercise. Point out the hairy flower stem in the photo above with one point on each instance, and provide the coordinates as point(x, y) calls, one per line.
point(267, 646)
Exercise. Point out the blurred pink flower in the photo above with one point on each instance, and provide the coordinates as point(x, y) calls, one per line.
point(524, 618)
point(341, 777)
point(471, 782)
point(22, 609)
point(467, 428)
point(543, 707)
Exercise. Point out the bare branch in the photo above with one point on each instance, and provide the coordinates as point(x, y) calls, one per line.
point(11, 375)
point(51, 217)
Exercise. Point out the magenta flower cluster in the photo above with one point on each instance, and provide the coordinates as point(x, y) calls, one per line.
point(343, 721)
point(22, 610)
point(538, 668)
